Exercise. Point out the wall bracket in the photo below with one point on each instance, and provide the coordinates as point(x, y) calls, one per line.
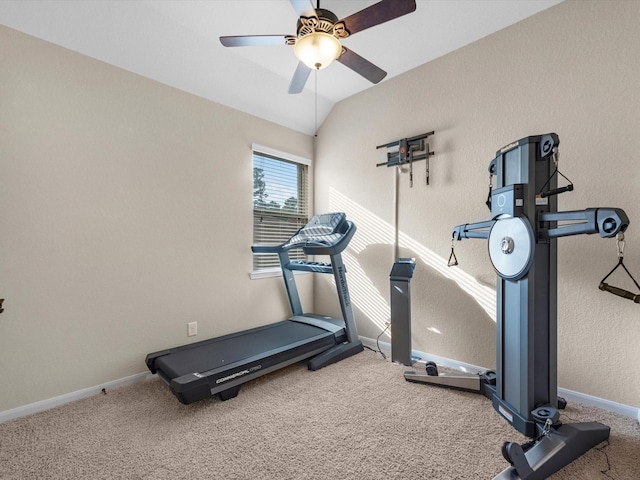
point(409, 150)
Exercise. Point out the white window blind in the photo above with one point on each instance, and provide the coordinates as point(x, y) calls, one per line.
point(280, 203)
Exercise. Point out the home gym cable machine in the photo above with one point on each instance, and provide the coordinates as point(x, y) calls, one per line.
point(522, 236)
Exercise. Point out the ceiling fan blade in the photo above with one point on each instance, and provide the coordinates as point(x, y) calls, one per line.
point(303, 8)
point(362, 66)
point(378, 13)
point(299, 78)
point(257, 40)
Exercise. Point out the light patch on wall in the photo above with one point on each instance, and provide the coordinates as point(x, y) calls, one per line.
point(434, 330)
point(372, 230)
point(370, 301)
point(483, 295)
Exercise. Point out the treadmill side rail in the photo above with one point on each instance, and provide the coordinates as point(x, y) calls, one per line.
point(329, 324)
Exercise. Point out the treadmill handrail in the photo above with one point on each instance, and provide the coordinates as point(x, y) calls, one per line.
point(277, 248)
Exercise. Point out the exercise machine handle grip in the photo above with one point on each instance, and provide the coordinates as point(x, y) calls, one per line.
point(266, 248)
point(557, 191)
point(635, 298)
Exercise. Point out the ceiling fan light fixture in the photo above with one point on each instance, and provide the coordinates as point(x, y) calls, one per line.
point(317, 50)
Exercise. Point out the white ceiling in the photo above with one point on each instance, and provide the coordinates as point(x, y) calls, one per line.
point(176, 43)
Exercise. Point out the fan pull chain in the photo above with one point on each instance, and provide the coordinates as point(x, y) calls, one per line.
point(316, 101)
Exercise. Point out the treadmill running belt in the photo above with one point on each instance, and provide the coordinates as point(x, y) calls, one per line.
point(224, 351)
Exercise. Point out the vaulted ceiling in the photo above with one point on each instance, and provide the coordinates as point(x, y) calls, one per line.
point(177, 43)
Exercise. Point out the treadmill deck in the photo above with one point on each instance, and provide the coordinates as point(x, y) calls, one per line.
point(199, 370)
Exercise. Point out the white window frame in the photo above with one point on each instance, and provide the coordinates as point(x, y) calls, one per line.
point(272, 152)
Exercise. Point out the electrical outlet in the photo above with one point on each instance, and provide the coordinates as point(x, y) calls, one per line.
point(192, 329)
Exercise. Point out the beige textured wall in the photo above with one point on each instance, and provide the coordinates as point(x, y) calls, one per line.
point(125, 212)
point(573, 69)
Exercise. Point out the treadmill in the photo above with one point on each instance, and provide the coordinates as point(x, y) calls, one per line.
point(221, 365)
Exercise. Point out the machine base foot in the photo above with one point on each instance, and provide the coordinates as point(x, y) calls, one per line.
point(460, 382)
point(229, 393)
point(553, 451)
point(335, 354)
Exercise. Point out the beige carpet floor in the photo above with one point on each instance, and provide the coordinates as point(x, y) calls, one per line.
point(358, 419)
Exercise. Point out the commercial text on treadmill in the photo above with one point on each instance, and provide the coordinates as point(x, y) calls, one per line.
point(239, 374)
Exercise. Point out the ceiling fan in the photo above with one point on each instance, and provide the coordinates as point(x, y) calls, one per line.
point(319, 31)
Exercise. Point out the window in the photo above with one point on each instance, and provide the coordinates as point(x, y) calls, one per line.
point(280, 201)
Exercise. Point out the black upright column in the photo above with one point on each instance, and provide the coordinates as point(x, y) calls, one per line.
point(400, 278)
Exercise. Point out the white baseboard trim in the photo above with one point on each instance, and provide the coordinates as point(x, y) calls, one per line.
point(43, 405)
point(626, 410)
point(30, 409)
point(608, 405)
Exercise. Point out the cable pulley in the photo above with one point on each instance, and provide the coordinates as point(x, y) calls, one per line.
point(634, 297)
point(555, 191)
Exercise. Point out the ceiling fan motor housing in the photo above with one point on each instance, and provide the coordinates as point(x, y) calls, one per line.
point(325, 21)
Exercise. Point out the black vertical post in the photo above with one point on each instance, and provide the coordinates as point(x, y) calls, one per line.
point(400, 279)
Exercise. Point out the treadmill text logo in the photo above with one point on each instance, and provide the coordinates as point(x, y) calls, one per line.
point(343, 286)
point(238, 374)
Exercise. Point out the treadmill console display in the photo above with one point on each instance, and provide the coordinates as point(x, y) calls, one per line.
point(321, 231)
